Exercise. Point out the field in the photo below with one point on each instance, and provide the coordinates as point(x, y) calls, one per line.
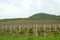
point(30, 30)
point(27, 38)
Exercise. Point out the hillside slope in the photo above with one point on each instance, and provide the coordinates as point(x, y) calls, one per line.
point(45, 16)
point(38, 16)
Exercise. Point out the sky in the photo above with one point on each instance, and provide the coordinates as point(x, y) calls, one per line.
point(26, 8)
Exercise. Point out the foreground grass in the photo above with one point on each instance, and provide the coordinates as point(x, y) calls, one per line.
point(27, 38)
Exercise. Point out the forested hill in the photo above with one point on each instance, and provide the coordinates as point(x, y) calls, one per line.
point(38, 16)
point(44, 16)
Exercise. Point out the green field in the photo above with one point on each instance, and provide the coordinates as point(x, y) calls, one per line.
point(27, 38)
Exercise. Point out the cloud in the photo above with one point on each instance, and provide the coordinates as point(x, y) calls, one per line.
point(11, 11)
point(26, 8)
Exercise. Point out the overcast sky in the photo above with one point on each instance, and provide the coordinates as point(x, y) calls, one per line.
point(26, 8)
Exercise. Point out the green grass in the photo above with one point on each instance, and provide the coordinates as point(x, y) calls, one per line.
point(27, 38)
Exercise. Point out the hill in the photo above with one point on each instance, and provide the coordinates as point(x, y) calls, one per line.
point(38, 16)
point(44, 16)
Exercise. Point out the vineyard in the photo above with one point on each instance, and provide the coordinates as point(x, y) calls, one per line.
point(30, 28)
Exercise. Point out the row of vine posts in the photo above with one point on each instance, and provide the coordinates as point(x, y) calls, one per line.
point(31, 30)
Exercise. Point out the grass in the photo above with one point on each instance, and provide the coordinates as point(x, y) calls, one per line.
point(27, 38)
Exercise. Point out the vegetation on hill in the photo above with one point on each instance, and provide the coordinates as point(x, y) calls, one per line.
point(44, 16)
point(38, 16)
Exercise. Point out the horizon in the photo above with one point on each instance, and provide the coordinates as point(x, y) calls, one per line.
point(33, 15)
point(25, 8)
